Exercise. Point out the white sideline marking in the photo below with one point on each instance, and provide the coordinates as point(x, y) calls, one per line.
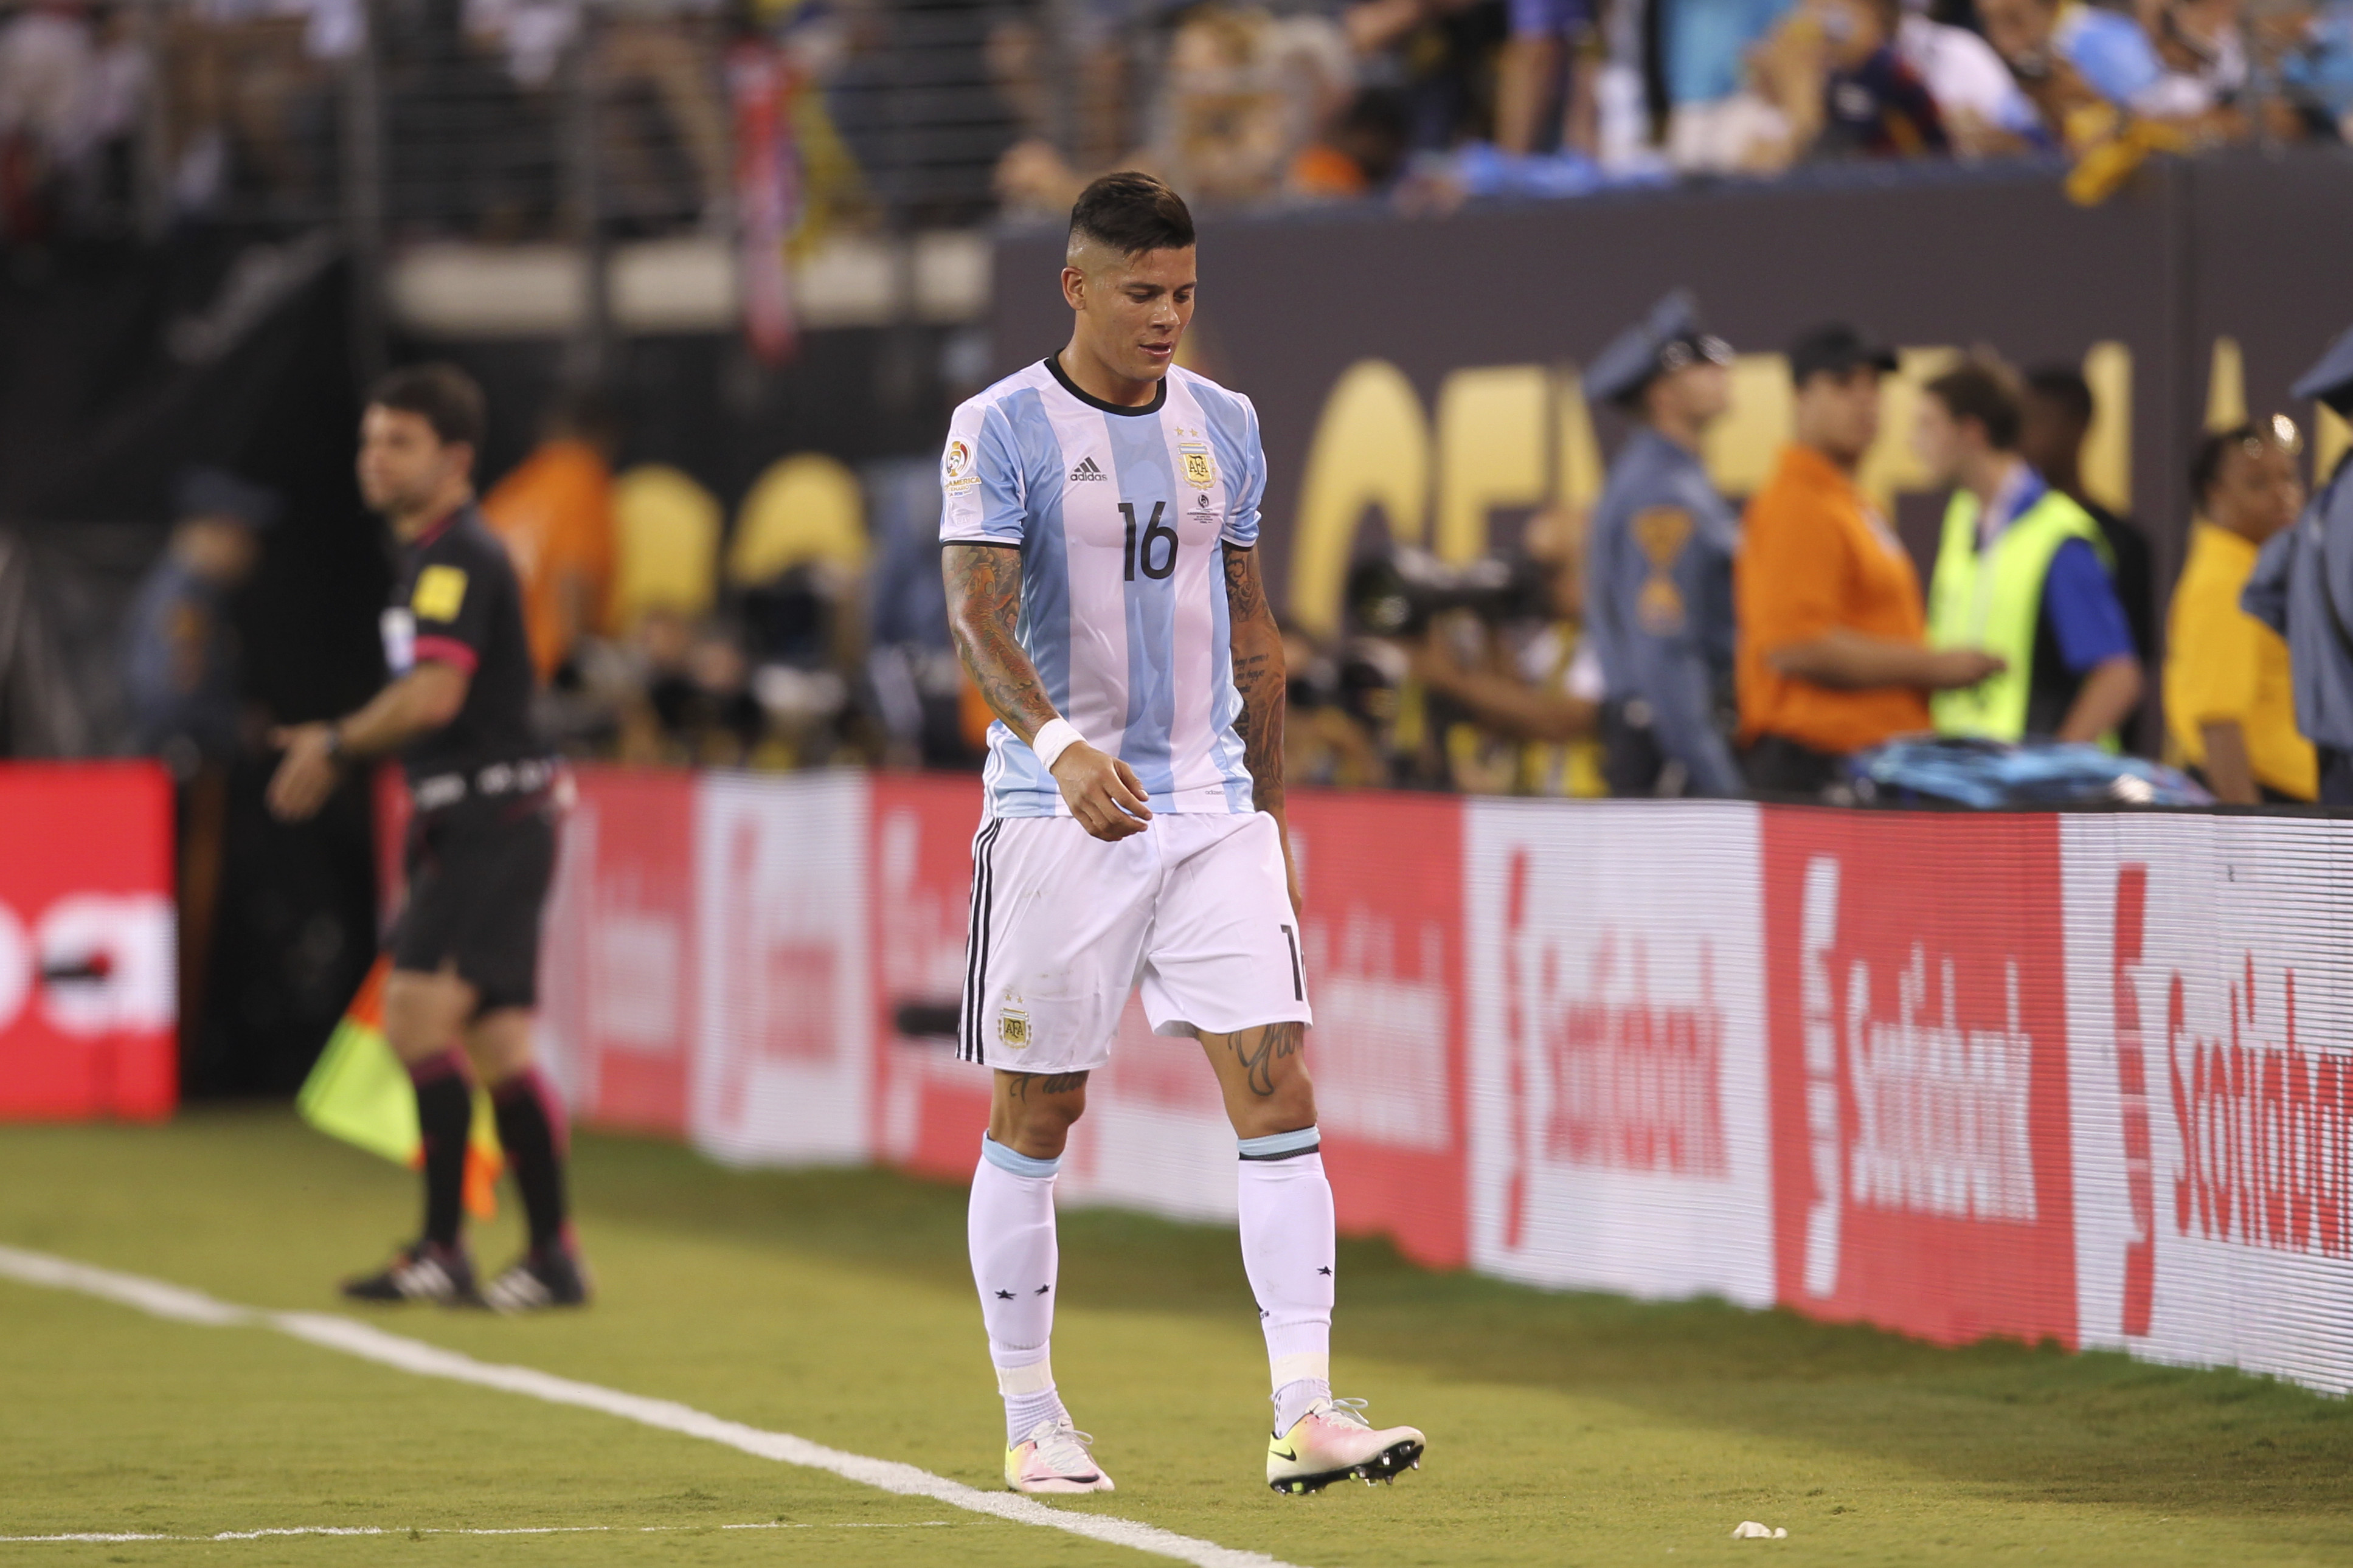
point(161, 1299)
point(100, 1538)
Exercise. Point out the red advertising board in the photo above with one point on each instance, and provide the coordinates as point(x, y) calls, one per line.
point(89, 984)
point(1917, 1011)
point(618, 967)
point(929, 1109)
point(1382, 876)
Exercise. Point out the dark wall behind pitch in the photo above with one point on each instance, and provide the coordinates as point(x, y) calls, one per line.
point(2259, 248)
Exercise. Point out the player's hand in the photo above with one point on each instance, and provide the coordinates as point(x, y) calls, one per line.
point(307, 774)
point(1959, 668)
point(1103, 792)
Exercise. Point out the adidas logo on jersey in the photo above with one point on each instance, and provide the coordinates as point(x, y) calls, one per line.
point(1087, 470)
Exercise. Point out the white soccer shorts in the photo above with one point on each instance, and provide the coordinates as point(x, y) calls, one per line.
point(1195, 909)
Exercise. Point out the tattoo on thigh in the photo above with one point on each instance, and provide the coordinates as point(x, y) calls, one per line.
point(1258, 1049)
point(1047, 1083)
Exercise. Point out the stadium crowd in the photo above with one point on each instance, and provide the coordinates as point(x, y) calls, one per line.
point(193, 109)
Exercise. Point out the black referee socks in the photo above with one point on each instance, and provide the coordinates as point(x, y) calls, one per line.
point(445, 1114)
point(531, 1130)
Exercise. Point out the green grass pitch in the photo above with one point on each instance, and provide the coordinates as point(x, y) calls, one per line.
point(1564, 1429)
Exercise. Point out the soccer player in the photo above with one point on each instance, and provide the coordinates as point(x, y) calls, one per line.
point(481, 847)
point(1101, 510)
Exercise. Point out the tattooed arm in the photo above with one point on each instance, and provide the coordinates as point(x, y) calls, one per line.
point(985, 615)
point(1265, 688)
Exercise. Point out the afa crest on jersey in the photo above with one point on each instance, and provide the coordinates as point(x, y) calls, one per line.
point(1199, 472)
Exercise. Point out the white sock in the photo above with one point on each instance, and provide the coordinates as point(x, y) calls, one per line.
point(1289, 1253)
point(1010, 1225)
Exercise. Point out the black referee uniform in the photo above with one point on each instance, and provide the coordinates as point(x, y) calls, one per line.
point(481, 843)
point(481, 853)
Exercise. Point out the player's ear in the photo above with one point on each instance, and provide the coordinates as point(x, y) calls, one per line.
point(1074, 288)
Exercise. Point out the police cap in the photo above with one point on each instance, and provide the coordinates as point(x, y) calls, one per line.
point(2331, 381)
point(1668, 339)
point(217, 493)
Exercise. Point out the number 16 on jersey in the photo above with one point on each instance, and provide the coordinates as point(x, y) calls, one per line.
point(1155, 531)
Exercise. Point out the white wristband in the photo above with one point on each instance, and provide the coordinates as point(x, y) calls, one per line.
point(1053, 738)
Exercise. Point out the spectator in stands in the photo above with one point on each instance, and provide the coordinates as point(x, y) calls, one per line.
point(2314, 45)
point(71, 88)
point(2021, 572)
point(555, 513)
point(2228, 703)
point(2068, 55)
point(1441, 54)
point(1716, 125)
point(180, 672)
point(1547, 77)
point(2301, 587)
point(1360, 153)
point(1843, 89)
point(1984, 111)
point(1832, 657)
point(1243, 94)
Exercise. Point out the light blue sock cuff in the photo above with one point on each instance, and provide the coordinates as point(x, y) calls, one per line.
point(1004, 1159)
point(1282, 1146)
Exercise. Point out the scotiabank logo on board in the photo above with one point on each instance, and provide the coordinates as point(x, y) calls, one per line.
point(2263, 1122)
point(1917, 1024)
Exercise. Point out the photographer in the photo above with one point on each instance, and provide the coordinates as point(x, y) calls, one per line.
point(1541, 690)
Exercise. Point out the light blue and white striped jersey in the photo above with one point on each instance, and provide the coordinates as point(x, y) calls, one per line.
point(1119, 514)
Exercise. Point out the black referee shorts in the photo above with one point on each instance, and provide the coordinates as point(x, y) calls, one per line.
point(478, 877)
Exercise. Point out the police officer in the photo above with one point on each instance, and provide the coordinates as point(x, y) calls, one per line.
point(1659, 579)
point(180, 671)
point(2301, 587)
point(481, 847)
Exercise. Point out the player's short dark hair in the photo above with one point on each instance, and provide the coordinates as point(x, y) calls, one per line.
point(441, 394)
point(1131, 213)
point(1976, 390)
point(2213, 447)
point(2064, 387)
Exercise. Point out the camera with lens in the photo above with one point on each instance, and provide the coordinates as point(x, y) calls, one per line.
point(1399, 594)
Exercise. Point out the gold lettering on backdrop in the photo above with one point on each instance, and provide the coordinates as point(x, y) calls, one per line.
point(2330, 438)
point(1520, 434)
point(1371, 449)
point(1890, 468)
point(1576, 458)
point(2106, 459)
point(1741, 448)
point(1493, 435)
point(2226, 387)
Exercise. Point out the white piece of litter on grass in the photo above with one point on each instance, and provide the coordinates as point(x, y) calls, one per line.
point(1750, 1530)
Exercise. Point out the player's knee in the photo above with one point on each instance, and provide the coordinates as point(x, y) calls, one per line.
point(423, 1014)
point(1289, 1108)
point(1033, 1116)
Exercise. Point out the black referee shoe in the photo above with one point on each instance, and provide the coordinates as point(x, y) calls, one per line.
point(425, 1271)
point(541, 1278)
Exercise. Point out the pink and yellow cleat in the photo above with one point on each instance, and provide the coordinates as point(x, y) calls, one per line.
point(1334, 1442)
point(1054, 1457)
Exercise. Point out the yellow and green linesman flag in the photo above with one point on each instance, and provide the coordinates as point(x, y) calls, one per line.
point(360, 1092)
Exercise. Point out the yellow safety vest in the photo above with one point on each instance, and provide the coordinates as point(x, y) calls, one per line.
point(1992, 599)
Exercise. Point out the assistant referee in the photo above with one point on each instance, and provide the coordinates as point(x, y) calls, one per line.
point(482, 843)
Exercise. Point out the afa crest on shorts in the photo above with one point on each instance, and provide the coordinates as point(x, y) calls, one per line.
point(1200, 471)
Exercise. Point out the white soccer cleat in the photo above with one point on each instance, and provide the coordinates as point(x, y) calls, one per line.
point(1054, 1459)
point(1334, 1442)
